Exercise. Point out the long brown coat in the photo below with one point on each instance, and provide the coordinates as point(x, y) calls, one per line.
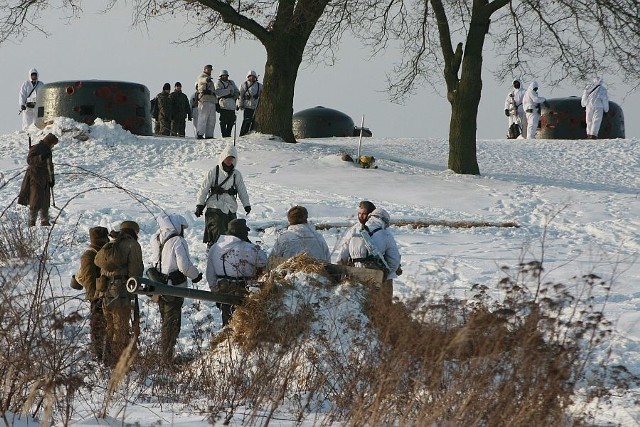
point(35, 191)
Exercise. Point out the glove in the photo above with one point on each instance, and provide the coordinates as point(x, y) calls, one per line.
point(237, 108)
point(23, 107)
point(247, 209)
point(506, 112)
point(199, 209)
point(197, 279)
point(52, 183)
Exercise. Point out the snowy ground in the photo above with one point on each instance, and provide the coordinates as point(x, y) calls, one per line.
point(575, 201)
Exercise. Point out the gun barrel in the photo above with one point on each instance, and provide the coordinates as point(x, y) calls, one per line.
point(144, 286)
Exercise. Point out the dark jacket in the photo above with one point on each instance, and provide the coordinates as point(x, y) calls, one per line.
point(35, 191)
point(181, 106)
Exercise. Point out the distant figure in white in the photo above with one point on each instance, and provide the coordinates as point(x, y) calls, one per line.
point(513, 107)
point(596, 100)
point(193, 101)
point(27, 98)
point(300, 237)
point(532, 108)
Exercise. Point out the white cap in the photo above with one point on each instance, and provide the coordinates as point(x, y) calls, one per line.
point(223, 73)
point(252, 73)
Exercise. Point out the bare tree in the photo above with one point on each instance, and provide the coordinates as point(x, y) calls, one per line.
point(552, 39)
point(284, 28)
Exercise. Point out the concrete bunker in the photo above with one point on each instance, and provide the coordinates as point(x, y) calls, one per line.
point(322, 122)
point(565, 118)
point(128, 104)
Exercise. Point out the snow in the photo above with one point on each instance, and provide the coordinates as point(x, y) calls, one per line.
point(575, 204)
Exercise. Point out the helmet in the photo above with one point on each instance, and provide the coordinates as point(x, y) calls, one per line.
point(252, 73)
point(223, 73)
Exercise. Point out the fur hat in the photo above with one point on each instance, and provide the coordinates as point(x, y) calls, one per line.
point(98, 235)
point(367, 206)
point(50, 139)
point(130, 225)
point(238, 227)
point(297, 215)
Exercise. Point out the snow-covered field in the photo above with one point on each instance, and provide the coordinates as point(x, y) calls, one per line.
point(575, 203)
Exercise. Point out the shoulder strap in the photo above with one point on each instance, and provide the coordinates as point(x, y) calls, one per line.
point(171, 236)
point(34, 88)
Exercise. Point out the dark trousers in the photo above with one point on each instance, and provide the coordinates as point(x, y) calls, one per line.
point(171, 319)
point(247, 121)
point(216, 223)
point(178, 126)
point(97, 328)
point(227, 120)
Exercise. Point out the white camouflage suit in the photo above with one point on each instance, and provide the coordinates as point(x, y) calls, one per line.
point(532, 103)
point(28, 94)
point(596, 101)
point(301, 238)
point(513, 103)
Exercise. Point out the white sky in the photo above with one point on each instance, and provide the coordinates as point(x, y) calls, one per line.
point(105, 47)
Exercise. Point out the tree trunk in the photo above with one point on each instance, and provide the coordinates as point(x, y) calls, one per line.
point(465, 100)
point(274, 113)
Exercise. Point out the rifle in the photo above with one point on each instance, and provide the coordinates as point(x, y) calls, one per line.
point(373, 249)
point(253, 116)
point(49, 168)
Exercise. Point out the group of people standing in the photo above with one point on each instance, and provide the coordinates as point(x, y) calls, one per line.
point(211, 97)
point(233, 261)
point(523, 108)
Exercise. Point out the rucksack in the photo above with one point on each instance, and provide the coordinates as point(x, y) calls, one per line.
point(514, 131)
point(111, 257)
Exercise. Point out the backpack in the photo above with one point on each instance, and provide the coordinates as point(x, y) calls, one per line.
point(514, 131)
point(111, 257)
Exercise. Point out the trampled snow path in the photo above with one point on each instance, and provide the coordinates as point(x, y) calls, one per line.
point(581, 195)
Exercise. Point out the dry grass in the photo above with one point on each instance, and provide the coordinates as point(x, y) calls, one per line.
point(317, 351)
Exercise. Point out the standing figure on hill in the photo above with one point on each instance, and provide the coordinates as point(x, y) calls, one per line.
point(87, 276)
point(193, 102)
point(532, 106)
point(300, 237)
point(118, 260)
point(227, 93)
point(207, 102)
point(513, 108)
point(35, 191)
point(596, 101)
point(181, 110)
point(233, 264)
point(218, 194)
point(358, 254)
point(170, 255)
point(27, 98)
point(248, 101)
point(162, 110)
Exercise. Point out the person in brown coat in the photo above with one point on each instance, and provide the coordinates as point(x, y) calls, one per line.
point(87, 276)
point(118, 260)
point(35, 191)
